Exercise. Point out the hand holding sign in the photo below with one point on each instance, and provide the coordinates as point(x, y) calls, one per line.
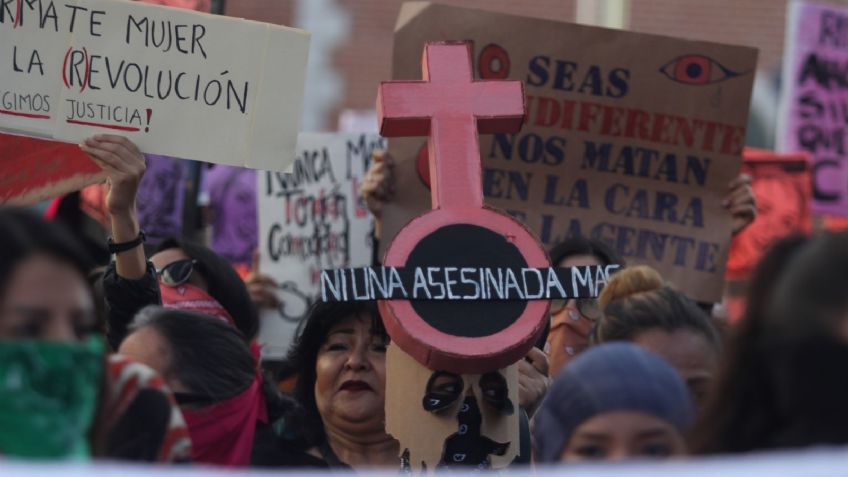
point(123, 165)
point(741, 203)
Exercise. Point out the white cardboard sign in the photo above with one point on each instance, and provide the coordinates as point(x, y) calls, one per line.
point(177, 82)
point(310, 219)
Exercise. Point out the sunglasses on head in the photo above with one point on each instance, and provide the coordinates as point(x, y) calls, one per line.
point(176, 273)
point(588, 307)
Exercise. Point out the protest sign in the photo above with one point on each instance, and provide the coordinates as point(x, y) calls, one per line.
point(312, 219)
point(34, 169)
point(160, 198)
point(781, 184)
point(177, 82)
point(231, 192)
point(814, 101)
point(630, 138)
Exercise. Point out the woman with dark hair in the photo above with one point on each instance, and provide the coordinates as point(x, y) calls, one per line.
point(214, 376)
point(777, 387)
point(190, 277)
point(571, 320)
point(49, 329)
point(340, 355)
point(180, 275)
point(184, 276)
point(638, 306)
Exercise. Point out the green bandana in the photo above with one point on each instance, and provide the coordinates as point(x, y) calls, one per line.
point(48, 396)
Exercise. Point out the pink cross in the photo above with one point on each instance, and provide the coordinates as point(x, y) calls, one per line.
point(451, 108)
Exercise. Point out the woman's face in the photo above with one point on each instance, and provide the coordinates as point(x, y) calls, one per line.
point(47, 299)
point(351, 376)
point(620, 435)
point(689, 353)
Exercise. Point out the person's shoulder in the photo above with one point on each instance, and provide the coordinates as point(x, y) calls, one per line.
point(273, 451)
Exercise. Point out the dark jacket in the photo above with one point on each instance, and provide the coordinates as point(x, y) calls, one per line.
point(124, 298)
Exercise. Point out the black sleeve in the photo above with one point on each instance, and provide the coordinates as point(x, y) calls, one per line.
point(124, 298)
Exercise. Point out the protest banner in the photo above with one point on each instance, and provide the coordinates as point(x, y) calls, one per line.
point(25, 157)
point(629, 138)
point(160, 198)
point(177, 82)
point(35, 169)
point(781, 184)
point(231, 195)
point(312, 219)
point(814, 99)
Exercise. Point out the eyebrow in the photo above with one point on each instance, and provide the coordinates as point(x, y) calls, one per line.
point(344, 331)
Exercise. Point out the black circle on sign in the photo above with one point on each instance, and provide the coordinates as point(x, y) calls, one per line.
point(466, 245)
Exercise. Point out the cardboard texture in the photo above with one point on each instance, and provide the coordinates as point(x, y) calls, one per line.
point(177, 82)
point(312, 218)
point(160, 199)
point(813, 105)
point(32, 170)
point(629, 138)
point(451, 108)
point(232, 203)
point(423, 432)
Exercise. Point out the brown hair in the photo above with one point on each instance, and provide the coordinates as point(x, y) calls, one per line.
point(637, 300)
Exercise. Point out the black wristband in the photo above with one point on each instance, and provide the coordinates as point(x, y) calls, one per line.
point(124, 246)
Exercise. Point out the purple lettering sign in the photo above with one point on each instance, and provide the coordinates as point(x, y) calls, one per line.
point(814, 105)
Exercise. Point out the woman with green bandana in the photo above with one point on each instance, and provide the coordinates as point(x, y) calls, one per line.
point(51, 354)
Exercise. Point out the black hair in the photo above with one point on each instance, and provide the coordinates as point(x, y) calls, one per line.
point(304, 355)
point(206, 354)
point(25, 234)
point(225, 284)
point(741, 414)
point(578, 245)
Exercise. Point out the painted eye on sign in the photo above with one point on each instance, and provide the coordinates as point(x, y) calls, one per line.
point(464, 287)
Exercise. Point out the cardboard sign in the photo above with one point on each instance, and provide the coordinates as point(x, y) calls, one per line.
point(814, 100)
point(312, 219)
point(629, 138)
point(177, 82)
point(450, 107)
point(160, 198)
point(32, 170)
point(423, 433)
point(232, 201)
point(781, 184)
point(463, 283)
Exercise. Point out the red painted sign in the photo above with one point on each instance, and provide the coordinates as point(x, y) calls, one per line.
point(32, 170)
point(451, 109)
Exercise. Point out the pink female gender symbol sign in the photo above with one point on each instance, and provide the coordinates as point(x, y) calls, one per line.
point(451, 108)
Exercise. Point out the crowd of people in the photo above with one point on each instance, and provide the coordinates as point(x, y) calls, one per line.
point(154, 359)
